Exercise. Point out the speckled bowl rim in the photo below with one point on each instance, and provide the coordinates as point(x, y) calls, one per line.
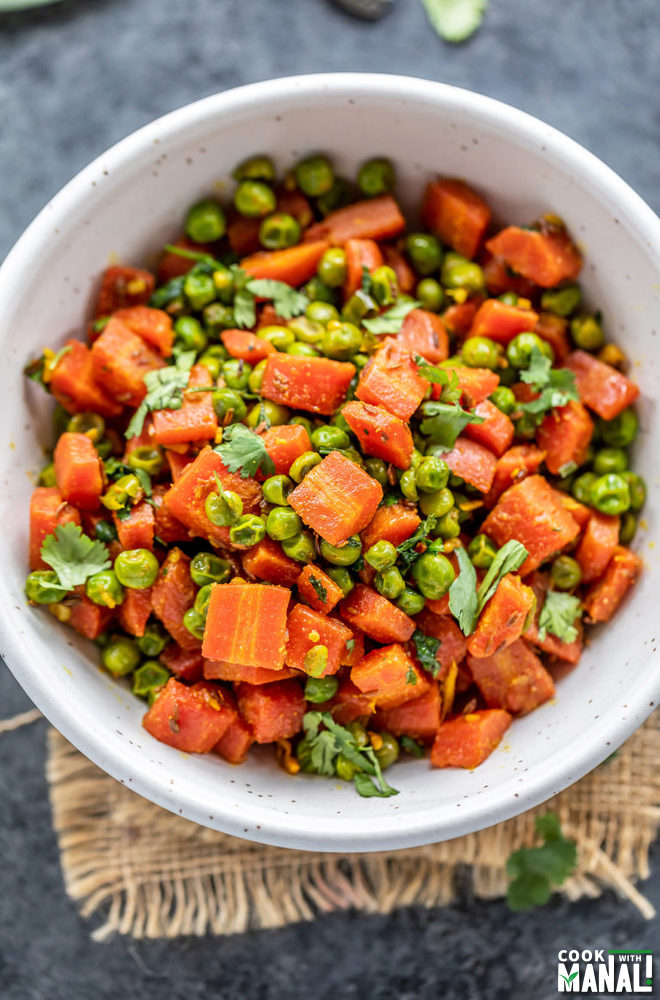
point(285, 829)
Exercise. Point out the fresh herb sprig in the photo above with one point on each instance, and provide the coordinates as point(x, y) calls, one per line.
point(327, 740)
point(426, 647)
point(534, 871)
point(244, 451)
point(556, 386)
point(466, 600)
point(165, 388)
point(73, 556)
point(392, 319)
point(407, 550)
point(559, 614)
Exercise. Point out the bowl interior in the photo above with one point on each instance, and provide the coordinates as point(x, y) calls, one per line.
point(127, 204)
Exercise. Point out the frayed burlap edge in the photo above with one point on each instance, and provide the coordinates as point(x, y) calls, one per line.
point(153, 874)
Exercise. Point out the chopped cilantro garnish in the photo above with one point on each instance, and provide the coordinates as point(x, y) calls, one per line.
point(445, 377)
point(165, 388)
point(73, 555)
point(444, 422)
point(535, 870)
point(244, 451)
point(390, 321)
point(466, 600)
point(287, 301)
point(407, 549)
point(319, 590)
point(426, 647)
point(556, 386)
point(558, 616)
point(327, 739)
point(411, 746)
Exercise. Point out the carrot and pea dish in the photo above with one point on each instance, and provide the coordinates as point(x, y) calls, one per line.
point(336, 484)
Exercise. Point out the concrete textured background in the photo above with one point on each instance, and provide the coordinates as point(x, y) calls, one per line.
point(74, 78)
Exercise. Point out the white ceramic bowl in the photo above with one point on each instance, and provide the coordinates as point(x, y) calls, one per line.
point(127, 204)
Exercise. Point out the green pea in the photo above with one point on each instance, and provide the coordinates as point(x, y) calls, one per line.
point(320, 689)
point(384, 285)
point(43, 587)
point(332, 268)
point(224, 282)
point(610, 494)
point(317, 291)
point(121, 656)
point(621, 431)
point(342, 555)
point(381, 555)
point(276, 490)
point(449, 525)
point(508, 298)
point(345, 769)
point(206, 567)
point(223, 508)
point(189, 333)
point(581, 488)
point(628, 528)
point(314, 176)
point(303, 350)
point(91, 424)
point(525, 426)
point(47, 475)
point(610, 460)
point(265, 409)
point(202, 598)
point(149, 679)
point(218, 317)
point(408, 485)
point(304, 464)
point(321, 312)
point(104, 588)
point(195, 623)
point(255, 168)
point(377, 469)
point(278, 231)
point(212, 364)
point(636, 488)
point(340, 194)
point(283, 523)
point(105, 448)
point(280, 337)
point(481, 352)
point(376, 177)
point(433, 574)
point(236, 374)
point(229, 407)
point(254, 199)
point(136, 568)
point(519, 350)
point(424, 252)
point(482, 551)
point(205, 222)
point(330, 438)
point(565, 573)
point(410, 601)
point(124, 490)
point(247, 531)
point(504, 399)
point(438, 503)
point(388, 752)
point(430, 295)
point(306, 330)
point(561, 301)
point(359, 307)
point(459, 272)
point(199, 290)
point(587, 333)
point(339, 420)
point(146, 457)
point(341, 341)
point(432, 474)
point(390, 583)
point(153, 641)
point(105, 531)
point(301, 547)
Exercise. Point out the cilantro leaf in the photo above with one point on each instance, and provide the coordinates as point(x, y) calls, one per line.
point(114, 469)
point(463, 602)
point(287, 301)
point(325, 746)
point(164, 390)
point(411, 676)
point(455, 20)
point(445, 377)
point(204, 258)
point(318, 588)
point(555, 385)
point(412, 746)
point(73, 555)
point(445, 421)
point(508, 559)
point(245, 313)
point(426, 647)
point(535, 870)
point(558, 616)
point(406, 549)
point(390, 321)
point(244, 451)
point(367, 283)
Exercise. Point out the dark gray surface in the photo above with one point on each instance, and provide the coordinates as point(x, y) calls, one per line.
point(76, 77)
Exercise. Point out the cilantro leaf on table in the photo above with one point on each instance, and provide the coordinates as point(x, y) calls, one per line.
point(164, 390)
point(426, 648)
point(327, 743)
point(244, 451)
point(445, 421)
point(558, 615)
point(555, 385)
point(455, 20)
point(73, 556)
point(406, 549)
point(390, 321)
point(463, 602)
point(534, 871)
point(318, 588)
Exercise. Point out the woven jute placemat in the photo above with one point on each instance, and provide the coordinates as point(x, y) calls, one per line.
point(152, 874)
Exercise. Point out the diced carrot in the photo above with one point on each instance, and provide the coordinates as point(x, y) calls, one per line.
point(315, 384)
point(137, 530)
point(453, 644)
point(605, 597)
point(88, 619)
point(145, 439)
point(456, 214)
point(285, 443)
point(246, 623)
point(237, 740)
point(406, 278)
point(191, 719)
point(273, 711)
point(120, 361)
point(476, 384)
point(348, 703)
point(566, 651)
point(500, 278)
point(267, 561)
point(380, 433)
point(78, 470)
point(373, 614)
point(354, 650)
point(373, 219)
point(246, 346)
point(195, 420)
point(565, 435)
point(466, 740)
point(424, 333)
point(545, 258)
point(337, 498)
point(472, 462)
point(504, 618)
point(171, 596)
point(318, 589)
point(513, 678)
point(459, 316)
point(391, 379)
point(554, 330)
point(176, 461)
point(597, 545)
point(295, 265)
point(419, 718)
point(74, 385)
point(532, 512)
point(602, 388)
point(122, 287)
point(359, 254)
point(134, 610)
point(502, 322)
point(173, 265)
point(186, 664)
point(514, 465)
point(167, 527)
point(217, 670)
point(496, 432)
point(243, 232)
point(395, 524)
point(153, 325)
point(386, 675)
point(48, 508)
point(308, 630)
point(578, 511)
